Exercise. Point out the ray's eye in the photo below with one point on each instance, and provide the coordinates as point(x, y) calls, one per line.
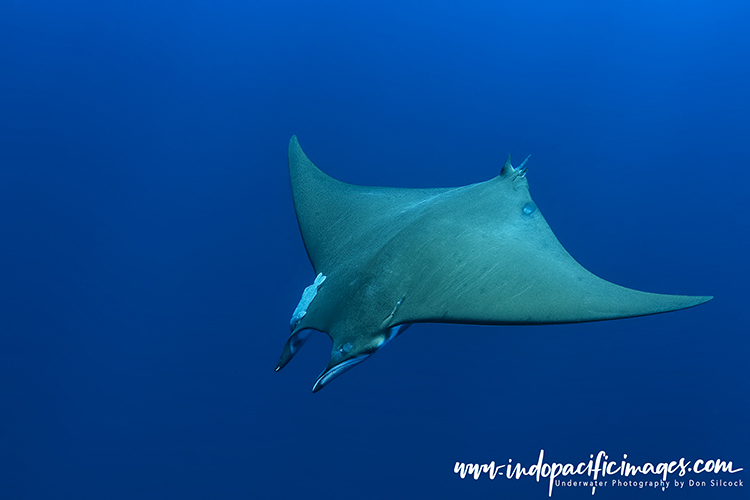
point(529, 208)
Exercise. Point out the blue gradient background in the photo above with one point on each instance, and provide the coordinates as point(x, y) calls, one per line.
point(151, 257)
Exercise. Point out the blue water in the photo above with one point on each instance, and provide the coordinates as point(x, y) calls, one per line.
point(152, 259)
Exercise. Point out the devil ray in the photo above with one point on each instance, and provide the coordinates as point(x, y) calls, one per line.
point(385, 258)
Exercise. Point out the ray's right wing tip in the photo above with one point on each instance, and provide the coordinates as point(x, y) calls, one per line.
point(702, 299)
point(687, 302)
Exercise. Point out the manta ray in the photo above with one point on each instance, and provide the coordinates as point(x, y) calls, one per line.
point(482, 254)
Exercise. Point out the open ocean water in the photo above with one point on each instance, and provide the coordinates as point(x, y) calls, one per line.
point(151, 257)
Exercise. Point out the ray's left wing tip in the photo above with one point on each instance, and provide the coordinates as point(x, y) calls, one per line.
point(293, 144)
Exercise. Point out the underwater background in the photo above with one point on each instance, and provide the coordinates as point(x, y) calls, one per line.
point(151, 257)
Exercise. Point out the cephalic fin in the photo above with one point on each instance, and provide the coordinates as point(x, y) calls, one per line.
point(293, 345)
point(348, 354)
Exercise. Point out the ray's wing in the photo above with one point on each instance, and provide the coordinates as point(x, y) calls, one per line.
point(341, 222)
point(479, 254)
point(486, 255)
